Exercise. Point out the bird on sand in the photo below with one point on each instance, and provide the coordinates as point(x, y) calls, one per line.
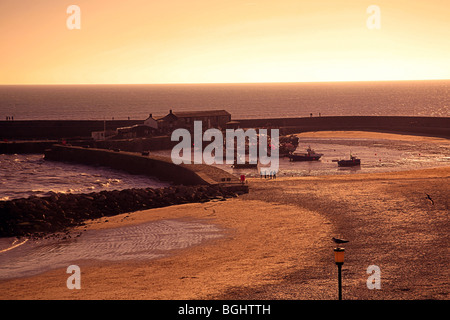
point(339, 241)
point(429, 198)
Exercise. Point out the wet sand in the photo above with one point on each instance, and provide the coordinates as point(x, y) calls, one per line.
point(276, 244)
point(370, 135)
point(143, 241)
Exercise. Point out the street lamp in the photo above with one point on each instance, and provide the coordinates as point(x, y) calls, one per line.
point(339, 259)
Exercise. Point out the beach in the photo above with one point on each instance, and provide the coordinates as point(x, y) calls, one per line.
point(370, 135)
point(275, 243)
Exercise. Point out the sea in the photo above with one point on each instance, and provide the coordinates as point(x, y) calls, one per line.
point(243, 101)
point(25, 175)
point(30, 175)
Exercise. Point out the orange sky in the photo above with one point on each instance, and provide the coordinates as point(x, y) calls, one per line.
point(215, 41)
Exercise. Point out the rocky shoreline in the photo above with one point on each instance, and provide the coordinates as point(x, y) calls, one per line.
point(39, 216)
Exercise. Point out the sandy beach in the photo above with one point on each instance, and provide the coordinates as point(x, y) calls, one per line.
point(276, 243)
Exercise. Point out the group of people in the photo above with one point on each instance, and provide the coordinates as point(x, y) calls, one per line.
point(268, 175)
point(9, 118)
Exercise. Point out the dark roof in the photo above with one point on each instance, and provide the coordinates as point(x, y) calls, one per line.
point(169, 117)
point(193, 114)
point(210, 113)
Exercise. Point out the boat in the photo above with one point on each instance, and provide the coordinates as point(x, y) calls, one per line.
point(352, 162)
point(310, 155)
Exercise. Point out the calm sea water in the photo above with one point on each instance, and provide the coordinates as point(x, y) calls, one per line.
point(405, 98)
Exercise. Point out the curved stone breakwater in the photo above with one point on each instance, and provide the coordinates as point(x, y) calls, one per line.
point(38, 216)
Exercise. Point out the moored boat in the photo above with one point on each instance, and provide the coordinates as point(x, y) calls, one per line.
point(352, 162)
point(310, 155)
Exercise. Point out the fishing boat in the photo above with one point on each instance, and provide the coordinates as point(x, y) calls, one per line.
point(310, 155)
point(352, 162)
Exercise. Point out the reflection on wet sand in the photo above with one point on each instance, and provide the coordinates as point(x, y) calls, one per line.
point(144, 241)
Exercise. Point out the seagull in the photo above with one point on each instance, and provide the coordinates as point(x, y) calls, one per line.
point(429, 198)
point(339, 241)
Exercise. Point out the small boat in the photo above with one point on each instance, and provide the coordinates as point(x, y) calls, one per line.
point(352, 162)
point(310, 155)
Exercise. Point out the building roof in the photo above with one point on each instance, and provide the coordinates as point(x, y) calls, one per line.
point(194, 114)
point(150, 117)
point(210, 113)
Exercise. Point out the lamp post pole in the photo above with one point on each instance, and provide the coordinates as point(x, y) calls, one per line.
point(340, 279)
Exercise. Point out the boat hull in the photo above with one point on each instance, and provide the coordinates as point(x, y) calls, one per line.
point(303, 158)
point(349, 163)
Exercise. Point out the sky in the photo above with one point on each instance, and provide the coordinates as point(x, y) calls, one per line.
point(223, 41)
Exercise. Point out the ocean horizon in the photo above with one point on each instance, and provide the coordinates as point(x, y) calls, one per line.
point(429, 98)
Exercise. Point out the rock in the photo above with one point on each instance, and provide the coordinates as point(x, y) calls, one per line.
point(56, 212)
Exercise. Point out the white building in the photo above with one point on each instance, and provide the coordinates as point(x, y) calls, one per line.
point(102, 135)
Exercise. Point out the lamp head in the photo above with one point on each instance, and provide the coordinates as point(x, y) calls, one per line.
point(339, 255)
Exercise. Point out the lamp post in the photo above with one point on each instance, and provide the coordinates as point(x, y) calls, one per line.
point(339, 259)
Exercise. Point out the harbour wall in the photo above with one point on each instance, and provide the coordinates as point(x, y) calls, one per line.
point(76, 129)
point(433, 126)
point(135, 163)
point(14, 133)
point(58, 129)
point(132, 145)
point(24, 147)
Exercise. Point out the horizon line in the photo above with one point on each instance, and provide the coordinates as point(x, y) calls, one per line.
point(216, 83)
